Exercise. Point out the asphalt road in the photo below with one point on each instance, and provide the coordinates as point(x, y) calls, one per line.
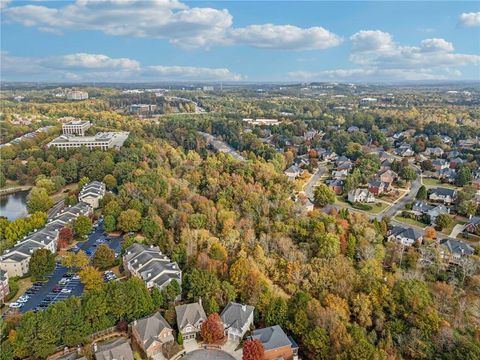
point(310, 186)
point(74, 285)
point(409, 197)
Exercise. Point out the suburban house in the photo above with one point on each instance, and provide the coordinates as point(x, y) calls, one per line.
point(293, 172)
point(92, 193)
point(340, 174)
point(150, 333)
point(446, 175)
point(276, 344)
point(435, 151)
point(149, 264)
point(404, 150)
point(237, 319)
point(386, 165)
point(360, 195)
point(118, 349)
point(378, 187)
point(440, 164)
point(405, 236)
point(190, 318)
point(447, 196)
point(455, 162)
point(336, 185)
point(420, 208)
point(454, 251)
point(473, 225)
point(4, 289)
point(387, 176)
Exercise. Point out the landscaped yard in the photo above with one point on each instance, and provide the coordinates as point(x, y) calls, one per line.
point(429, 182)
point(410, 221)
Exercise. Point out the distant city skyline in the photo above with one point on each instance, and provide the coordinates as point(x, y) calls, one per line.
point(169, 40)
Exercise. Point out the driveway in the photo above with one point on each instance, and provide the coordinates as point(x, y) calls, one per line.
point(45, 291)
point(310, 186)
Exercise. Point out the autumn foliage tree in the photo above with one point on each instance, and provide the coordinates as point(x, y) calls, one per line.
point(65, 237)
point(212, 329)
point(252, 350)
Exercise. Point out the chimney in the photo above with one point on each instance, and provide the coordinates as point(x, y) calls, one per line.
point(95, 347)
point(244, 307)
point(200, 301)
point(149, 274)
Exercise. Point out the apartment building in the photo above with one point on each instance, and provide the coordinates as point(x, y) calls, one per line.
point(76, 127)
point(15, 261)
point(149, 264)
point(92, 193)
point(4, 288)
point(102, 141)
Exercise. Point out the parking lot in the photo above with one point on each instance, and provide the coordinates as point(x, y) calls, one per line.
point(43, 294)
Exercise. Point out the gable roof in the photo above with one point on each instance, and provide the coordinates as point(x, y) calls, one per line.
point(236, 315)
point(118, 349)
point(439, 191)
point(150, 327)
point(457, 247)
point(189, 314)
point(272, 337)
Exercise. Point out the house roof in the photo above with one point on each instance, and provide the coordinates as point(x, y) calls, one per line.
point(421, 206)
point(474, 220)
point(457, 247)
point(236, 315)
point(272, 337)
point(118, 349)
point(443, 192)
point(293, 169)
point(189, 314)
point(150, 327)
point(408, 233)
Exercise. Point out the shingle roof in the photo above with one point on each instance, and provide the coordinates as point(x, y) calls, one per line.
point(443, 192)
point(189, 314)
point(272, 337)
point(118, 349)
point(236, 315)
point(150, 327)
point(457, 247)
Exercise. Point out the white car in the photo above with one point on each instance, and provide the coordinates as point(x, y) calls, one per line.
point(23, 299)
point(76, 277)
point(66, 291)
point(63, 281)
point(15, 305)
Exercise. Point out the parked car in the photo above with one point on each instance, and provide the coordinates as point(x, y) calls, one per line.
point(56, 289)
point(23, 299)
point(76, 277)
point(66, 291)
point(63, 281)
point(15, 305)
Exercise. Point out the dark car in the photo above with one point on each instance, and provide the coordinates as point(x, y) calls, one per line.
point(57, 289)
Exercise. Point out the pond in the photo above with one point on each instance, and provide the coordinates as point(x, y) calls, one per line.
point(14, 206)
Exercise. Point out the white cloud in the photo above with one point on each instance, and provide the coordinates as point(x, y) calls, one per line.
point(88, 67)
point(4, 3)
point(470, 19)
point(285, 37)
point(377, 49)
point(170, 20)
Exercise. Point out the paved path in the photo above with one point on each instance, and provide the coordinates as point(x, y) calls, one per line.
point(55, 209)
point(457, 229)
point(310, 185)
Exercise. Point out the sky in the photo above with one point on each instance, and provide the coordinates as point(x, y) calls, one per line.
point(226, 41)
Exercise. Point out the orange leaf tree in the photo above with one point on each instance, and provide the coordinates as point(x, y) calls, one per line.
point(252, 350)
point(212, 329)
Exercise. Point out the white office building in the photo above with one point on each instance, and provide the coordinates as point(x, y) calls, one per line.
point(76, 127)
point(102, 141)
point(77, 95)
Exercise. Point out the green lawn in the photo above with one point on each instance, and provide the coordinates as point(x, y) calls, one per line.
point(410, 221)
point(428, 182)
point(377, 207)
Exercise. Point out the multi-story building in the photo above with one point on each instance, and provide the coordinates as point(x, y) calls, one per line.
point(4, 289)
point(102, 140)
point(92, 193)
point(77, 95)
point(76, 127)
point(276, 344)
point(15, 261)
point(149, 264)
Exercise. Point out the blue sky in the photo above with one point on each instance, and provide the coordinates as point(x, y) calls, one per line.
point(230, 41)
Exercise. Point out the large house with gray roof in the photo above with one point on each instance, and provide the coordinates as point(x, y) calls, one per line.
point(454, 251)
point(276, 344)
point(405, 236)
point(150, 333)
point(151, 265)
point(118, 349)
point(237, 319)
point(190, 318)
point(447, 196)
